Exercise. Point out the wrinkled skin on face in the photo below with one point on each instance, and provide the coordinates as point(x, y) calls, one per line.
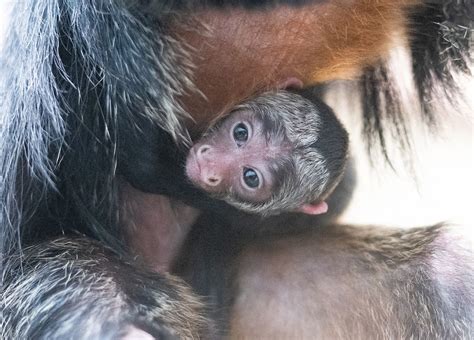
point(237, 158)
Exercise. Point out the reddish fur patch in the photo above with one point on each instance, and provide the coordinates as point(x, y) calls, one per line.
point(246, 52)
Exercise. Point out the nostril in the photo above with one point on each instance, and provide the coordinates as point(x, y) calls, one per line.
point(213, 181)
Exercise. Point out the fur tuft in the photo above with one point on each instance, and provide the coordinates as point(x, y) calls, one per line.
point(75, 288)
point(439, 34)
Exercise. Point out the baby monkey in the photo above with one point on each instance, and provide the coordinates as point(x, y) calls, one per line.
point(280, 152)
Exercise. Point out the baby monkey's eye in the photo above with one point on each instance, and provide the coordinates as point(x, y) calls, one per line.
point(251, 178)
point(241, 133)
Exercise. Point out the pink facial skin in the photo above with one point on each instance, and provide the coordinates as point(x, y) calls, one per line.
point(218, 164)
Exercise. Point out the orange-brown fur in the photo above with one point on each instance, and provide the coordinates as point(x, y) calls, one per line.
point(238, 53)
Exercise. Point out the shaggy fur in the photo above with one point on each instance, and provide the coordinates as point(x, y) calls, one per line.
point(439, 34)
point(77, 289)
point(76, 79)
point(73, 83)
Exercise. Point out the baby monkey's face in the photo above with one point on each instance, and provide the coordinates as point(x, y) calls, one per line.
point(238, 157)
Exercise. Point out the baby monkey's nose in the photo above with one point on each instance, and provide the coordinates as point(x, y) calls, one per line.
point(213, 180)
point(212, 165)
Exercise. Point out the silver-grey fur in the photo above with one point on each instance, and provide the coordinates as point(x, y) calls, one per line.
point(74, 288)
point(60, 54)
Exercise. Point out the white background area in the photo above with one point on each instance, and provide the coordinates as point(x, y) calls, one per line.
point(437, 186)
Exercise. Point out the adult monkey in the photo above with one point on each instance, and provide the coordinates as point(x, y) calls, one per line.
point(80, 72)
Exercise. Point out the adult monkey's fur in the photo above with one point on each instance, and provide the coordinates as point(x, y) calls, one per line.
point(76, 288)
point(76, 76)
point(440, 44)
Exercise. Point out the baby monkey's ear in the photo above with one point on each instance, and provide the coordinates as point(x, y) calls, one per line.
point(291, 83)
point(313, 208)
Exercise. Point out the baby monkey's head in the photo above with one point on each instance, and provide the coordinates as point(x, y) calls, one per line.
point(279, 152)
